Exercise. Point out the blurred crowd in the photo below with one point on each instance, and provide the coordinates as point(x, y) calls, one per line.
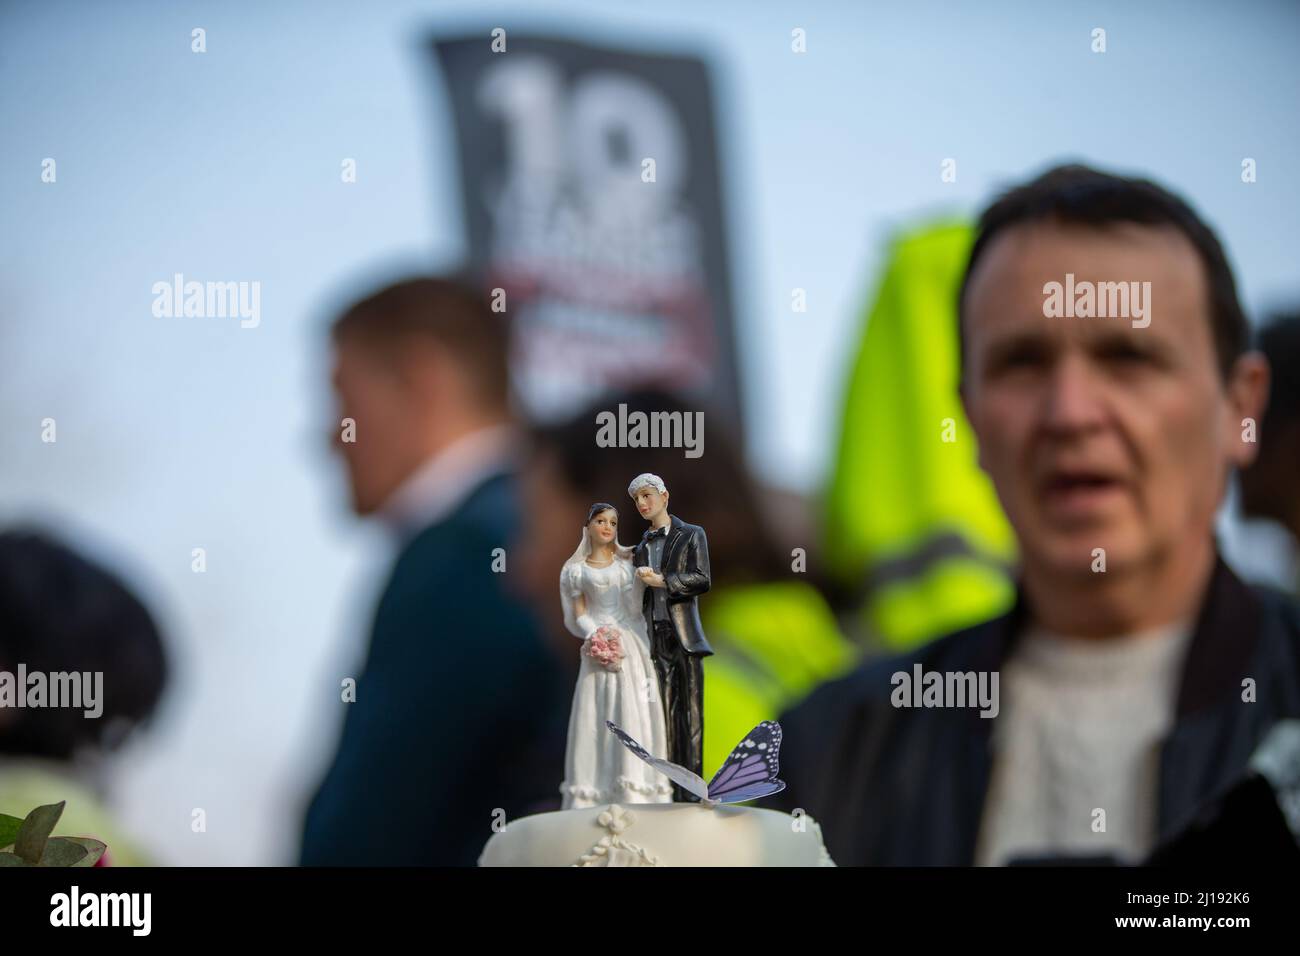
point(988, 457)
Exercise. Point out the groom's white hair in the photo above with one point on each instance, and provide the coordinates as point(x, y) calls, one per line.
point(643, 479)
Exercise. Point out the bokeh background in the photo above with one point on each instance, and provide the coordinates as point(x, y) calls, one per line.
point(184, 433)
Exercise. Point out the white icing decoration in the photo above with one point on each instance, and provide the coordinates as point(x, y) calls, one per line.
point(612, 849)
point(626, 789)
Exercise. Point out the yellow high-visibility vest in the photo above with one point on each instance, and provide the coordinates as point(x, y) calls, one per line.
point(911, 521)
point(774, 642)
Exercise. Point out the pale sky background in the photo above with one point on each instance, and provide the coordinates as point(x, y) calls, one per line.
point(183, 433)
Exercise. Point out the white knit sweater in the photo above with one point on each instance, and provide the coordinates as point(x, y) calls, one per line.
point(1079, 732)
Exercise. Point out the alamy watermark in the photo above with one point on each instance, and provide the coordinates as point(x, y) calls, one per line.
point(921, 688)
point(75, 689)
point(1102, 300)
point(624, 429)
point(208, 300)
point(75, 908)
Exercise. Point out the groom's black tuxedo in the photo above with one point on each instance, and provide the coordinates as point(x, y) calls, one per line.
point(677, 642)
point(686, 576)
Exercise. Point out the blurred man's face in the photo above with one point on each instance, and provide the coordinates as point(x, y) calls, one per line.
point(373, 393)
point(1095, 433)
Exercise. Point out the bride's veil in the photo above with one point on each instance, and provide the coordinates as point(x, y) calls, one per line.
point(571, 577)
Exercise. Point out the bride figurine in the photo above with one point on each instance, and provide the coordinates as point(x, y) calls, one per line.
point(601, 595)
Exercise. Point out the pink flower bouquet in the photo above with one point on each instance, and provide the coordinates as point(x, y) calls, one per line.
point(605, 648)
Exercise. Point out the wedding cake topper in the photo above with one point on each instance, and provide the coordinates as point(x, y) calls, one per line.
point(634, 610)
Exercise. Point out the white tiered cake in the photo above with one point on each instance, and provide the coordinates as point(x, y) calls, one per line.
point(709, 833)
point(658, 834)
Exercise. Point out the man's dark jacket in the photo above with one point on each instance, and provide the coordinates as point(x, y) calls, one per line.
point(460, 710)
point(686, 576)
point(906, 786)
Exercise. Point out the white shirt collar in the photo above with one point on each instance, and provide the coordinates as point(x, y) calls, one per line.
point(443, 481)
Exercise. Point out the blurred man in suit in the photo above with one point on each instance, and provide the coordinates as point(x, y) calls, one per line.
point(1137, 672)
point(457, 722)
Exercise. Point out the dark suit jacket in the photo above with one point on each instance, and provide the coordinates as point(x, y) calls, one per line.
point(686, 576)
point(899, 786)
point(460, 709)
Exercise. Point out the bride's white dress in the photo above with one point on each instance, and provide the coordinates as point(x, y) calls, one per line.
point(597, 767)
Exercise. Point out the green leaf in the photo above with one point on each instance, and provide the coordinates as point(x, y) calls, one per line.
point(36, 829)
point(60, 851)
point(94, 849)
point(12, 859)
point(9, 829)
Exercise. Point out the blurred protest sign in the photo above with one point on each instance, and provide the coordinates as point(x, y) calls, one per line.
point(591, 195)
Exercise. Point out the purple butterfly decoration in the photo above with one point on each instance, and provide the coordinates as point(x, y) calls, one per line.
point(748, 773)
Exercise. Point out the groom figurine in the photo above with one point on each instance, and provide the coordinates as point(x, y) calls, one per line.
point(672, 559)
